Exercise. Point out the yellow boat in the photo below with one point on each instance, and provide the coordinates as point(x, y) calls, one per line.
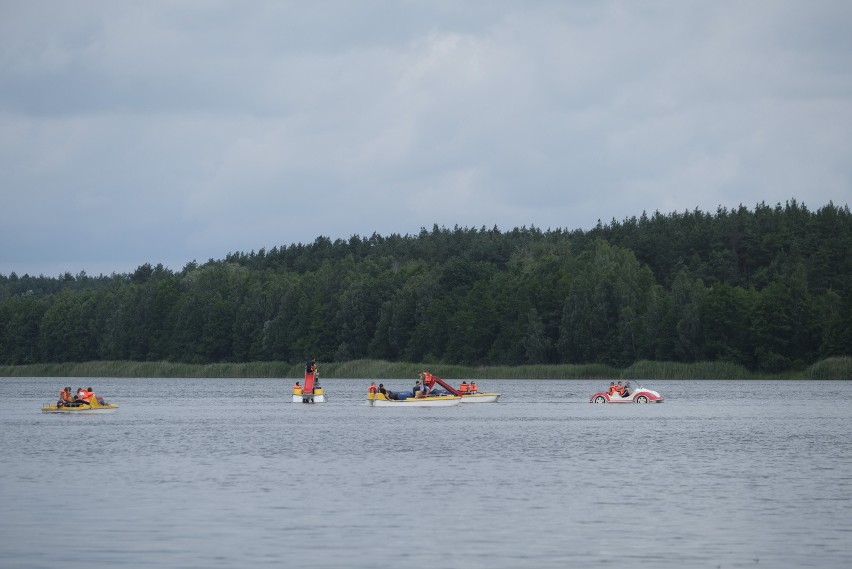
point(318, 396)
point(379, 400)
point(92, 406)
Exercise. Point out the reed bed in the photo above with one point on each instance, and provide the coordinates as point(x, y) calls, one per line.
point(831, 368)
point(836, 368)
point(676, 370)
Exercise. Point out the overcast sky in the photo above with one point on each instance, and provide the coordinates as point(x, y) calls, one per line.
point(172, 131)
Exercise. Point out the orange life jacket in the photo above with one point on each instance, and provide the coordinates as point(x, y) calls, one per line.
point(473, 387)
point(373, 389)
point(463, 388)
point(63, 396)
point(612, 389)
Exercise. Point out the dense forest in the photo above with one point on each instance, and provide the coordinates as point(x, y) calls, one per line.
point(768, 288)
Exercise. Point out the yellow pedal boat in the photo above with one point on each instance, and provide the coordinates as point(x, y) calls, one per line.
point(93, 406)
point(379, 400)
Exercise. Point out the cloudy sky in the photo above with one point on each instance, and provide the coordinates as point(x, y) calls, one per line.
point(172, 131)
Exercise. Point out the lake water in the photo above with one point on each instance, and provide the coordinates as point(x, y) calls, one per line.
point(227, 473)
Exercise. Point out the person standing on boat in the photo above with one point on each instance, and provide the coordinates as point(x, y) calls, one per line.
point(373, 388)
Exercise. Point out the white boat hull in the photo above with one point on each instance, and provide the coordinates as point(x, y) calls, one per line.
point(301, 398)
point(480, 397)
point(639, 395)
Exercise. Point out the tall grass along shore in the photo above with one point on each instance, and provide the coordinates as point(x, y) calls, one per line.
point(839, 368)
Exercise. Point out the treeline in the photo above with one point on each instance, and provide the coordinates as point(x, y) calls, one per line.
point(767, 289)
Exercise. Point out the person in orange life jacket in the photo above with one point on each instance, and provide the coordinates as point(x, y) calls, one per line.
point(297, 387)
point(427, 378)
point(473, 387)
point(64, 397)
point(92, 397)
point(373, 388)
point(82, 396)
point(612, 388)
point(463, 387)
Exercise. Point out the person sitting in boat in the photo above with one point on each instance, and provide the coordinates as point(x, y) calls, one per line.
point(612, 389)
point(472, 387)
point(625, 392)
point(82, 395)
point(316, 385)
point(92, 397)
point(463, 388)
point(385, 392)
point(619, 389)
point(73, 400)
point(297, 389)
point(65, 399)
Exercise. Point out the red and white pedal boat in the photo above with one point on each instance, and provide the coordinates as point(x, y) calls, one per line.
point(638, 395)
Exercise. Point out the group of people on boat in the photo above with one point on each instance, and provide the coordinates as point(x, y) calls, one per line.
point(84, 396)
point(421, 389)
point(374, 389)
point(310, 368)
point(297, 387)
point(622, 390)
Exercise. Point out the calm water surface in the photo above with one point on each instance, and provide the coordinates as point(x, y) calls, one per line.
point(227, 473)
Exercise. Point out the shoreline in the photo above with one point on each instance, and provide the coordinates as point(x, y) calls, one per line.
point(836, 368)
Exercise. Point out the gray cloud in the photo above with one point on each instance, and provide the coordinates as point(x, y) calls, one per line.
point(172, 131)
